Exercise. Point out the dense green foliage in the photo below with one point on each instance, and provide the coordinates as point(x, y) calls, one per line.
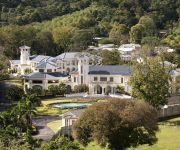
point(57, 89)
point(151, 82)
point(27, 11)
point(14, 93)
point(81, 88)
point(17, 122)
point(61, 143)
point(111, 57)
point(118, 123)
point(3, 67)
point(79, 21)
point(174, 38)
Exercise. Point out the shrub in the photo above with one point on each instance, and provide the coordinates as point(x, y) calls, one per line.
point(81, 88)
point(53, 89)
point(14, 93)
point(61, 143)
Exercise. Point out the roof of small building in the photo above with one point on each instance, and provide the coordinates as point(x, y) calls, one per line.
point(15, 62)
point(76, 112)
point(110, 70)
point(44, 75)
point(46, 64)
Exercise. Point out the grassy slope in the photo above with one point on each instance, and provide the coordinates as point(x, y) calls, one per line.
point(55, 125)
point(168, 138)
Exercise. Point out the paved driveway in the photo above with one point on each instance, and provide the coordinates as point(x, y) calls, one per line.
point(45, 133)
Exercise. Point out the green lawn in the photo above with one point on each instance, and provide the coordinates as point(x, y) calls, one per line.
point(168, 138)
point(55, 125)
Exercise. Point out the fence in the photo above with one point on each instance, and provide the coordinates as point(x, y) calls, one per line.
point(171, 110)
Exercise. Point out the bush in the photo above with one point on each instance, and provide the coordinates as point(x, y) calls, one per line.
point(53, 89)
point(37, 90)
point(14, 93)
point(105, 41)
point(61, 143)
point(81, 88)
point(120, 90)
point(57, 90)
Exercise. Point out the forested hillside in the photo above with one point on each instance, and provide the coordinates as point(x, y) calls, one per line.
point(53, 26)
point(26, 11)
point(123, 11)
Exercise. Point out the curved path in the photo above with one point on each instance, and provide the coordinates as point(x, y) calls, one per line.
point(45, 133)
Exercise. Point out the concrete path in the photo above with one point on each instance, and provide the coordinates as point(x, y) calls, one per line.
point(45, 133)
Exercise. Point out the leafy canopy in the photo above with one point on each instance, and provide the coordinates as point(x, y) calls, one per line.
point(150, 82)
point(117, 123)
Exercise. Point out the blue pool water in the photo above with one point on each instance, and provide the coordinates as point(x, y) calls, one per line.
point(70, 105)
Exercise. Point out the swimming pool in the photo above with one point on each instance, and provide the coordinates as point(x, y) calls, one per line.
point(71, 105)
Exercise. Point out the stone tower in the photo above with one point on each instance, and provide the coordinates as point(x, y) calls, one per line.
point(25, 54)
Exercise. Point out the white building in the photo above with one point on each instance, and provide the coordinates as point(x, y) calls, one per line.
point(27, 63)
point(129, 51)
point(73, 68)
point(68, 119)
point(106, 79)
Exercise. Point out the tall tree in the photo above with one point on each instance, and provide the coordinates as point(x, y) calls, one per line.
point(136, 33)
point(151, 82)
point(44, 43)
point(117, 123)
point(150, 27)
point(119, 34)
point(63, 37)
point(110, 57)
point(81, 40)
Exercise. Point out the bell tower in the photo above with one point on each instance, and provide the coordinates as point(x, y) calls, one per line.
point(25, 54)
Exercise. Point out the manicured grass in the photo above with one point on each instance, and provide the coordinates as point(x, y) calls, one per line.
point(168, 138)
point(94, 146)
point(44, 110)
point(63, 99)
point(46, 102)
point(55, 125)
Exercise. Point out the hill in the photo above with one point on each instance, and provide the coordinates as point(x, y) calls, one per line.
point(53, 26)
